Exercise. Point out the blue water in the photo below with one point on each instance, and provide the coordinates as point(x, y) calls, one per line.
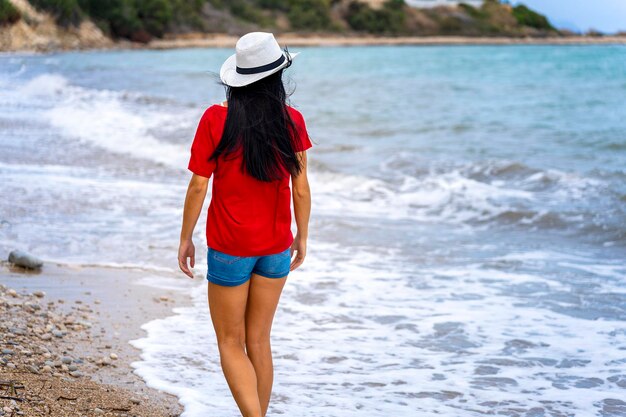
point(468, 229)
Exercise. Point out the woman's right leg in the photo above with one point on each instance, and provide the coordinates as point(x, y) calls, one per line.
point(228, 306)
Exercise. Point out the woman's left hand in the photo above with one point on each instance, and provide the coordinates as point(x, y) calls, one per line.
point(186, 250)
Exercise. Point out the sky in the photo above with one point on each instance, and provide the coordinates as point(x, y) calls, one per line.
point(607, 16)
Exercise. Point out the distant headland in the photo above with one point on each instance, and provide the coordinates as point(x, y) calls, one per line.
point(50, 25)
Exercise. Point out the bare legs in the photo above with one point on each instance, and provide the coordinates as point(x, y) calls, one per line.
point(262, 301)
point(242, 317)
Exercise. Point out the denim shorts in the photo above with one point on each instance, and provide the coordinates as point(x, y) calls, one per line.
point(229, 270)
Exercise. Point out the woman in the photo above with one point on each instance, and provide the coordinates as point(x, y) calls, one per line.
point(252, 144)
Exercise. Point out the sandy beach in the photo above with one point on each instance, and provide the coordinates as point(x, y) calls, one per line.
point(64, 342)
point(466, 240)
point(292, 39)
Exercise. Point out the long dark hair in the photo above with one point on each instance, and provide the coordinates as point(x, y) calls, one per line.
point(259, 124)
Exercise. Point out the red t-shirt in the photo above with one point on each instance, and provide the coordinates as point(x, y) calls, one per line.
point(246, 216)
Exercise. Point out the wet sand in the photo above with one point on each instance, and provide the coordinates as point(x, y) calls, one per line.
point(64, 341)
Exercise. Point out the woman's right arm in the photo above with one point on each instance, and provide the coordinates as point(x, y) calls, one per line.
point(196, 193)
point(302, 210)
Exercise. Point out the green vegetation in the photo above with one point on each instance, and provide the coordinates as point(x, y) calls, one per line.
point(473, 11)
point(134, 19)
point(8, 13)
point(388, 19)
point(302, 14)
point(309, 14)
point(530, 18)
point(245, 10)
point(491, 18)
point(66, 12)
point(140, 20)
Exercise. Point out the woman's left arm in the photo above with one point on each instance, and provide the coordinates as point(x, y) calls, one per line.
point(196, 193)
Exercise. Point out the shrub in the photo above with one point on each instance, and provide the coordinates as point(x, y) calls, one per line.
point(309, 14)
point(473, 11)
point(274, 4)
point(155, 15)
point(119, 16)
point(8, 13)
point(65, 12)
point(388, 19)
point(528, 17)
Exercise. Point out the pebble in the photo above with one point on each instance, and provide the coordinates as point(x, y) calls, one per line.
point(57, 374)
point(57, 333)
point(98, 411)
point(135, 400)
point(39, 294)
point(76, 374)
point(24, 259)
point(11, 365)
point(18, 331)
point(7, 352)
point(113, 356)
point(47, 368)
point(12, 293)
point(7, 409)
point(32, 368)
point(66, 360)
point(164, 298)
point(72, 368)
point(45, 336)
point(49, 363)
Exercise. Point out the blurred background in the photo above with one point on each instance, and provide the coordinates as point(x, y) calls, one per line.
point(468, 229)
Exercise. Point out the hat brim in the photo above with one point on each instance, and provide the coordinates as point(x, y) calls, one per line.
point(230, 76)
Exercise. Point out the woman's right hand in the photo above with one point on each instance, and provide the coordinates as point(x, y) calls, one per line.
point(299, 246)
point(186, 250)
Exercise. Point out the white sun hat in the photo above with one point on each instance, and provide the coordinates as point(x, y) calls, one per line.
point(257, 56)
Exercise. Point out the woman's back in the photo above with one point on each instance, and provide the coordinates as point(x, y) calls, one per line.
point(246, 216)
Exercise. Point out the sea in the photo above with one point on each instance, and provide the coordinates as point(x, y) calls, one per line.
point(467, 242)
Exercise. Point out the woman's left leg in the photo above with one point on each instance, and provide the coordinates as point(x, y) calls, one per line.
point(228, 307)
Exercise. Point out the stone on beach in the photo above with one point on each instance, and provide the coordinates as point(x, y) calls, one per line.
point(48, 347)
point(25, 260)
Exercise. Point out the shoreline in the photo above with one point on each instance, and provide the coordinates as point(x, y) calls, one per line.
point(225, 41)
point(198, 40)
point(65, 340)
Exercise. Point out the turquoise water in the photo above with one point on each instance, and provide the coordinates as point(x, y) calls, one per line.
point(468, 230)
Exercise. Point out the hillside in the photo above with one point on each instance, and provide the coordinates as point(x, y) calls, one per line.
point(89, 23)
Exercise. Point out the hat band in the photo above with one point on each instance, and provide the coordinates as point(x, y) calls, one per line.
point(262, 68)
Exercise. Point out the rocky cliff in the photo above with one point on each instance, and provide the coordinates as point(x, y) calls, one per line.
point(44, 25)
point(36, 30)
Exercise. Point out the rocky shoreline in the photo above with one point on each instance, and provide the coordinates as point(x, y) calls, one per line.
point(64, 347)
